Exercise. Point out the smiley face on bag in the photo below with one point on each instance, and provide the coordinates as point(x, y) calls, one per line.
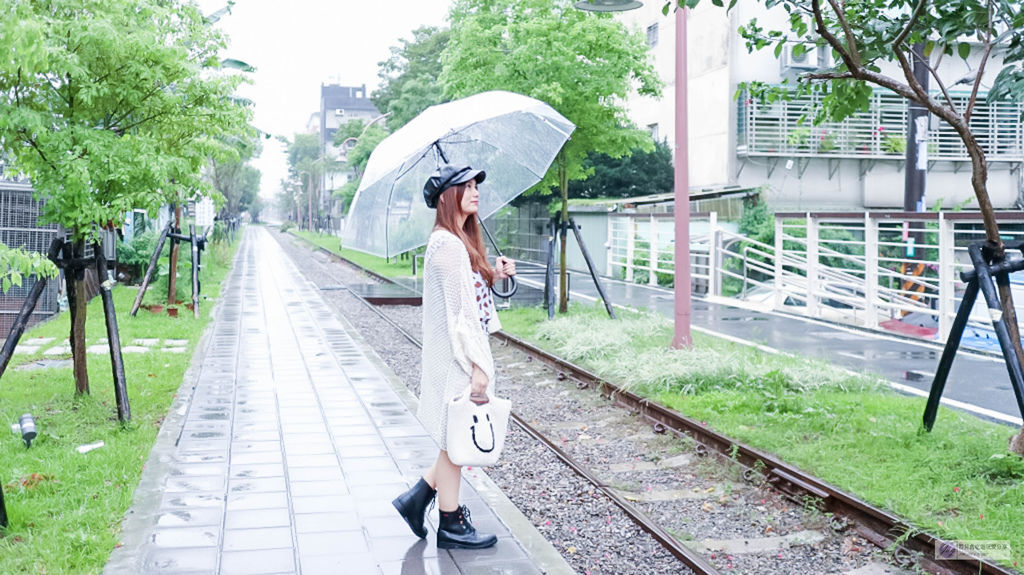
point(473, 427)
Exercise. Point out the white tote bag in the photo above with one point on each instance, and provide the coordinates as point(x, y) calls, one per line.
point(476, 433)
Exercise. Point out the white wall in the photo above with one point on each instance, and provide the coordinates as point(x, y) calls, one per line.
point(880, 187)
point(711, 115)
point(718, 62)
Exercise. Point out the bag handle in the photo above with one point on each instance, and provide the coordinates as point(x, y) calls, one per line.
point(467, 393)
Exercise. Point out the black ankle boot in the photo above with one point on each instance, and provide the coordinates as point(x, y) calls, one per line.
point(412, 505)
point(456, 532)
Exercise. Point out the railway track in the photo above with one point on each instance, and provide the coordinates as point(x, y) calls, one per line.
point(840, 516)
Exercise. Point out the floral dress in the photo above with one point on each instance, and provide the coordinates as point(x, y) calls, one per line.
point(484, 301)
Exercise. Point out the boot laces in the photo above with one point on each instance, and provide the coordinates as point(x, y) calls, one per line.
point(465, 513)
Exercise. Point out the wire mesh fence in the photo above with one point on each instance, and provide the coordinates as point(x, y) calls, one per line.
point(19, 228)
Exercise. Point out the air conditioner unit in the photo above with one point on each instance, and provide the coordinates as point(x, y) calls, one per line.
point(808, 60)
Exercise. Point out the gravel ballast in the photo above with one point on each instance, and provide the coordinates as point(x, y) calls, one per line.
point(701, 500)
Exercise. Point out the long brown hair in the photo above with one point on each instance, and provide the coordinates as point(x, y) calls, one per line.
point(449, 207)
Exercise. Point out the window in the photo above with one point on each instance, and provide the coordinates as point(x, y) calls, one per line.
point(653, 129)
point(652, 35)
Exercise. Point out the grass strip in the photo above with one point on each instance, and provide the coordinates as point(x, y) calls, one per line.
point(397, 267)
point(958, 482)
point(66, 507)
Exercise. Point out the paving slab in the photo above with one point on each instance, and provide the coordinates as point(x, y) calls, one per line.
point(287, 443)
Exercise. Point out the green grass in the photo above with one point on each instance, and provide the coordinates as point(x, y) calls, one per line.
point(959, 481)
point(66, 508)
point(393, 268)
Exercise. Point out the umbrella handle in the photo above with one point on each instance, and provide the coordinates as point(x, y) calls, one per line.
point(513, 287)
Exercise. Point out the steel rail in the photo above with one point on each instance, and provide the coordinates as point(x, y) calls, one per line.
point(882, 528)
point(908, 545)
point(687, 556)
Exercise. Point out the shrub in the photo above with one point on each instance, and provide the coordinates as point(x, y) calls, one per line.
point(894, 144)
point(133, 256)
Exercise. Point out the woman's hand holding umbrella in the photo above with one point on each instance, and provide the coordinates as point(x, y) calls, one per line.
point(504, 268)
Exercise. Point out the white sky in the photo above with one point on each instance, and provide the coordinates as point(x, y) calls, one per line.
point(295, 45)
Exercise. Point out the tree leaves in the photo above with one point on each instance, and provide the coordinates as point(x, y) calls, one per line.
point(18, 263)
point(639, 174)
point(409, 76)
point(951, 27)
point(113, 105)
point(582, 64)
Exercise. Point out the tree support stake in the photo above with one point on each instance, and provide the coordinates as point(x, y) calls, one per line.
point(152, 268)
point(195, 270)
point(124, 412)
point(980, 279)
point(590, 266)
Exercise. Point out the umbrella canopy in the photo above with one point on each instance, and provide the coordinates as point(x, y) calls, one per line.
point(513, 137)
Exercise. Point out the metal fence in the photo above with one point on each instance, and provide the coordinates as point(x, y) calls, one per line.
point(864, 268)
point(19, 228)
point(522, 232)
point(785, 128)
point(641, 249)
point(873, 267)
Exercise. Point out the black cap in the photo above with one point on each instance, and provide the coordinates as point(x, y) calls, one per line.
point(447, 176)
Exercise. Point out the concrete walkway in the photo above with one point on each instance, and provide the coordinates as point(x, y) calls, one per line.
point(285, 447)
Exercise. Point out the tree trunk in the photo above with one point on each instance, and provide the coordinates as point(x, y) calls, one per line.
point(74, 279)
point(309, 201)
point(979, 181)
point(563, 278)
point(124, 412)
point(172, 280)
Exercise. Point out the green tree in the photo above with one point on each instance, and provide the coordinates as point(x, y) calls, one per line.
point(255, 208)
point(582, 64)
point(236, 180)
point(408, 78)
point(306, 166)
point(359, 140)
point(287, 200)
point(110, 105)
point(864, 35)
point(640, 173)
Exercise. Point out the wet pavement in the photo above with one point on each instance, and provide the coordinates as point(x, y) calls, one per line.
point(286, 445)
point(977, 382)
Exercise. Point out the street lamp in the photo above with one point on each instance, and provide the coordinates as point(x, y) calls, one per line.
point(682, 336)
point(608, 5)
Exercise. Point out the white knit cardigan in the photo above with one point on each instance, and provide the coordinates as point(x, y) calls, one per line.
point(453, 340)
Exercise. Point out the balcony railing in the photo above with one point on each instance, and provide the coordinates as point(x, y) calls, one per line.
point(785, 128)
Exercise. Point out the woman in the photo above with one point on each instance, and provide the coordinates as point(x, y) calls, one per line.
point(458, 315)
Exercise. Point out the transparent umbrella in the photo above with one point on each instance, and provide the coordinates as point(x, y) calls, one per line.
point(514, 138)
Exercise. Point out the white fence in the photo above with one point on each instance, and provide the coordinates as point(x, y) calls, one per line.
point(784, 128)
point(641, 248)
point(859, 268)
